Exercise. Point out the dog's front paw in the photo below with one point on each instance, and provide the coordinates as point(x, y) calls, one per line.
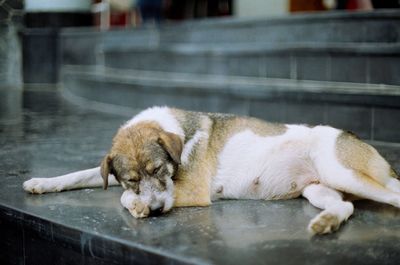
point(139, 210)
point(39, 186)
point(324, 223)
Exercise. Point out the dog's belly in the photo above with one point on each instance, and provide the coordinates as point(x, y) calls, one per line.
point(255, 167)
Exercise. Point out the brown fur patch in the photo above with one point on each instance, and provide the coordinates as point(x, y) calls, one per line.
point(172, 144)
point(224, 126)
point(361, 157)
point(133, 143)
point(192, 181)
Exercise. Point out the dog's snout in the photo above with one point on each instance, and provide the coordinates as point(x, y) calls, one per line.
point(158, 201)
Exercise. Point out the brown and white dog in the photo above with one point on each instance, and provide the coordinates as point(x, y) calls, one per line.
point(167, 157)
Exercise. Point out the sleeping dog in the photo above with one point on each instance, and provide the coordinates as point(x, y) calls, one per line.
point(165, 157)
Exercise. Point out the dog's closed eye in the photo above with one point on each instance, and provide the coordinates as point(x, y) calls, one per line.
point(131, 181)
point(153, 170)
point(156, 170)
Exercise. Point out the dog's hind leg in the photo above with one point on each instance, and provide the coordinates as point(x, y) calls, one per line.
point(361, 157)
point(88, 178)
point(346, 164)
point(363, 186)
point(335, 210)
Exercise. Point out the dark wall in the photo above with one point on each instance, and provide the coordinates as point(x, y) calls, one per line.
point(40, 43)
point(57, 19)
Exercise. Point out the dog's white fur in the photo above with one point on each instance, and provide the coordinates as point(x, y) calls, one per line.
point(189, 146)
point(301, 161)
point(162, 116)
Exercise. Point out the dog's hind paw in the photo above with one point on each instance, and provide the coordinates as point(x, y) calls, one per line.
point(324, 223)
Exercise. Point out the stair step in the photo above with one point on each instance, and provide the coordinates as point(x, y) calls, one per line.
point(372, 111)
point(79, 45)
point(377, 26)
point(350, 62)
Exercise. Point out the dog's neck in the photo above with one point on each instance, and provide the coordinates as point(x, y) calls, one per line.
point(161, 116)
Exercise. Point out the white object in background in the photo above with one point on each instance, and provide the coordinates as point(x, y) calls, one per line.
point(57, 6)
point(260, 8)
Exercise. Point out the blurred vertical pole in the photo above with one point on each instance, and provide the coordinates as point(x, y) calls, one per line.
point(102, 11)
point(11, 16)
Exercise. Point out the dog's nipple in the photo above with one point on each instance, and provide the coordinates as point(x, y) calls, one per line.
point(256, 181)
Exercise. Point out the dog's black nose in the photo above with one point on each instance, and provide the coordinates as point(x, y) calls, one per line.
point(157, 211)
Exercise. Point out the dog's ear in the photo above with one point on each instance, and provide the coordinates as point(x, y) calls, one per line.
point(105, 169)
point(172, 143)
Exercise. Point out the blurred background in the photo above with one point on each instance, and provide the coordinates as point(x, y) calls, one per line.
point(304, 61)
point(110, 13)
point(38, 22)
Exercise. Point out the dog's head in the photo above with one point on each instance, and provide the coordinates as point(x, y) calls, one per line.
point(144, 158)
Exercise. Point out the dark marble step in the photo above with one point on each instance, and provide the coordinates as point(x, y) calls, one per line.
point(377, 26)
point(372, 111)
point(350, 62)
point(51, 136)
point(79, 45)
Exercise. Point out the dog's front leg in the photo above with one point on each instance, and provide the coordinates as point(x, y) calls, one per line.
point(88, 178)
point(335, 210)
point(131, 201)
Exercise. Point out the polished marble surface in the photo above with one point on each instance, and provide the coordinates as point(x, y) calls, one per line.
point(42, 135)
